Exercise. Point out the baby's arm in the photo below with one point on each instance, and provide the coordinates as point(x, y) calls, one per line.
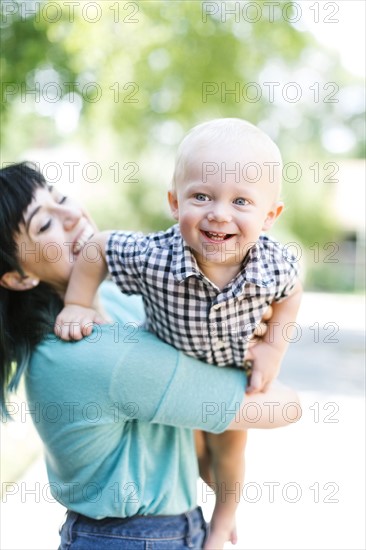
point(268, 353)
point(76, 319)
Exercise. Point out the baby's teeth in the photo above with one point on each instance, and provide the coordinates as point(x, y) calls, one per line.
point(217, 236)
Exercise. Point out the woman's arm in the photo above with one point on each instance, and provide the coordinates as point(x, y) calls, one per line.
point(173, 389)
point(124, 366)
point(278, 406)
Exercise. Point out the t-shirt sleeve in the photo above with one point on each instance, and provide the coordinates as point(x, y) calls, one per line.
point(125, 255)
point(163, 386)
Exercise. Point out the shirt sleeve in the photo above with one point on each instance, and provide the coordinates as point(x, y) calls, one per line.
point(164, 386)
point(285, 268)
point(291, 275)
point(125, 252)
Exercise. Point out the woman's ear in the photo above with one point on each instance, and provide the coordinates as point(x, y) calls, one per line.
point(13, 280)
point(272, 215)
point(173, 203)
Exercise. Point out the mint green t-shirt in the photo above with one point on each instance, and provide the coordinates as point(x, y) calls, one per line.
point(116, 412)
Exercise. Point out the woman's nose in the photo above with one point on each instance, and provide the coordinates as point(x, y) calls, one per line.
point(71, 216)
point(219, 213)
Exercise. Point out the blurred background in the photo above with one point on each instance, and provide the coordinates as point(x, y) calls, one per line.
point(100, 94)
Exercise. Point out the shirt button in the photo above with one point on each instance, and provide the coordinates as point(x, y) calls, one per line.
point(217, 306)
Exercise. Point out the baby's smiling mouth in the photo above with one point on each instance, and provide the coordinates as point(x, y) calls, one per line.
point(217, 237)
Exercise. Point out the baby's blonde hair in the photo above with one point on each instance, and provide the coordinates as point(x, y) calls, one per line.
point(225, 131)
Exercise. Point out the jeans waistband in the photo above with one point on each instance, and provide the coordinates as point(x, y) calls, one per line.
point(144, 526)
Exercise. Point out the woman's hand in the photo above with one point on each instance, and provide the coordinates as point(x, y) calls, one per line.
point(266, 361)
point(261, 379)
point(261, 329)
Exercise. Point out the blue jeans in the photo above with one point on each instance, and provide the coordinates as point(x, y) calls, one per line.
point(136, 533)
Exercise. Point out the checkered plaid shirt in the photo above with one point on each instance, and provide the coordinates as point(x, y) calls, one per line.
point(183, 307)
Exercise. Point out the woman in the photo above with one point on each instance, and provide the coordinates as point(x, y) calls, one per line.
point(116, 410)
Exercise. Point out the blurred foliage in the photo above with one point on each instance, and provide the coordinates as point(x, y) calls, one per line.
point(126, 80)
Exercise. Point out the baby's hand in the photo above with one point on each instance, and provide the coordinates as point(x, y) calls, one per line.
point(266, 365)
point(74, 322)
point(217, 538)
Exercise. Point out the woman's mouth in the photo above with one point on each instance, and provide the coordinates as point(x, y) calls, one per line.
point(217, 237)
point(80, 241)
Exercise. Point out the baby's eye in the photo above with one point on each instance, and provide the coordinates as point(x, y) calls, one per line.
point(240, 201)
point(202, 197)
point(62, 200)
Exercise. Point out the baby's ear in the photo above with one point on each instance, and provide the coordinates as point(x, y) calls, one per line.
point(173, 203)
point(272, 215)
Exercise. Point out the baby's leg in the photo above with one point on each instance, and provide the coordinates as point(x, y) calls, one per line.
point(227, 459)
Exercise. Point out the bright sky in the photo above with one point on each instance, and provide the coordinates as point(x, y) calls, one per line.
point(341, 26)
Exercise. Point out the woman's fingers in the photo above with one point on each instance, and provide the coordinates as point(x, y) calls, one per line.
point(260, 329)
point(267, 314)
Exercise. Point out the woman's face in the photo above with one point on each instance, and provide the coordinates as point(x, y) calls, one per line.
point(55, 230)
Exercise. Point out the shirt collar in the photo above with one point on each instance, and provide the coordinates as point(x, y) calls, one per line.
point(254, 271)
point(184, 263)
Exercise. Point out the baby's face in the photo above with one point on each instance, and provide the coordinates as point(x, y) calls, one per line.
point(224, 202)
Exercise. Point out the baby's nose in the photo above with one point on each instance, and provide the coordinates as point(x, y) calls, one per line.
point(219, 214)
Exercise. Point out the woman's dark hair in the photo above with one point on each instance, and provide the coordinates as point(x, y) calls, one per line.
point(25, 316)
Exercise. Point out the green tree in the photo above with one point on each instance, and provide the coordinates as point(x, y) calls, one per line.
point(133, 77)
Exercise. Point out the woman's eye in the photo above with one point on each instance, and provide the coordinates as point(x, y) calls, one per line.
point(201, 197)
point(47, 225)
point(240, 201)
point(44, 227)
